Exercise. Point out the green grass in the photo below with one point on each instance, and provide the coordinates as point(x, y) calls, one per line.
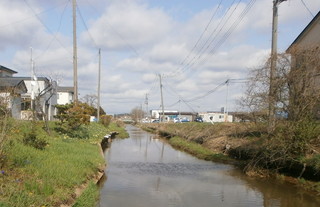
point(197, 150)
point(89, 197)
point(114, 127)
point(33, 177)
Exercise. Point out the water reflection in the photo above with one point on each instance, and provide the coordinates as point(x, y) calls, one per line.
point(145, 171)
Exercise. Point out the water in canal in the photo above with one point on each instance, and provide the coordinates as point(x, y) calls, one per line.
point(144, 171)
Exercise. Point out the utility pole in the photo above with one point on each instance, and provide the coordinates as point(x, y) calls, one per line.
point(226, 108)
point(146, 102)
point(75, 57)
point(272, 87)
point(32, 82)
point(161, 119)
point(99, 80)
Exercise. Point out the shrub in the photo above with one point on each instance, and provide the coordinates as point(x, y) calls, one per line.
point(31, 139)
point(105, 120)
point(81, 133)
point(72, 117)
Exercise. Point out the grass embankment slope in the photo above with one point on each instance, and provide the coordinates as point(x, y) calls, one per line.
point(293, 149)
point(50, 176)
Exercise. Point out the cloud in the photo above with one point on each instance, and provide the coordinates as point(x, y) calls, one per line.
point(126, 24)
point(16, 24)
point(143, 38)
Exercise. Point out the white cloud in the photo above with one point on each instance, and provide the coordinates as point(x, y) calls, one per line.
point(140, 40)
point(127, 24)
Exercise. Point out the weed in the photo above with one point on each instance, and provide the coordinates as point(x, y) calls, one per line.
point(89, 197)
point(31, 139)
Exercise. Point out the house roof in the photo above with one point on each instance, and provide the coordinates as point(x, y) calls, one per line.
point(7, 70)
point(65, 89)
point(29, 78)
point(305, 31)
point(9, 82)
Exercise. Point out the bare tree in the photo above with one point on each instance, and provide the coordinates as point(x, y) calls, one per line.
point(297, 86)
point(137, 114)
point(90, 99)
point(5, 97)
point(304, 83)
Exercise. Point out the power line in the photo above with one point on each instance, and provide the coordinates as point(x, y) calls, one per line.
point(48, 29)
point(305, 5)
point(198, 59)
point(204, 31)
point(55, 35)
point(85, 25)
point(232, 28)
point(133, 49)
point(29, 17)
point(191, 62)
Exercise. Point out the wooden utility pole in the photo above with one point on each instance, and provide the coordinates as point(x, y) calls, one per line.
point(161, 119)
point(75, 56)
point(99, 80)
point(272, 87)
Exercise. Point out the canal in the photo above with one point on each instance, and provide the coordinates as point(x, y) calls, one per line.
point(144, 171)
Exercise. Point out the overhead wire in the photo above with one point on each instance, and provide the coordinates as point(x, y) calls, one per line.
point(133, 49)
point(29, 17)
point(54, 36)
point(86, 27)
point(307, 8)
point(202, 34)
point(44, 25)
point(234, 25)
point(180, 98)
point(198, 59)
point(189, 63)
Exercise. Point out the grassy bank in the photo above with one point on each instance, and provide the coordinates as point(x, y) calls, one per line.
point(198, 151)
point(48, 177)
point(293, 149)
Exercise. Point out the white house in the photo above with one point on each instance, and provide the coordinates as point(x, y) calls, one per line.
point(215, 117)
point(65, 95)
point(26, 93)
point(41, 95)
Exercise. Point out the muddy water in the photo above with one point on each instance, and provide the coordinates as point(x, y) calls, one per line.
point(143, 171)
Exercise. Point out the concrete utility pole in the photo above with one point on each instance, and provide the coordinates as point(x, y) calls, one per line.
point(32, 81)
point(161, 119)
point(272, 87)
point(226, 108)
point(99, 80)
point(146, 102)
point(75, 56)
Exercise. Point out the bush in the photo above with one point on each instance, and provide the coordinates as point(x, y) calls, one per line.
point(31, 139)
point(105, 120)
point(72, 117)
point(80, 132)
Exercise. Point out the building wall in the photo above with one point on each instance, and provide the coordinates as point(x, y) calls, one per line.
point(310, 37)
point(5, 74)
point(216, 117)
point(13, 103)
point(64, 98)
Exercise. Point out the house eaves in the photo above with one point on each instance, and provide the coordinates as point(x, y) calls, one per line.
point(65, 89)
point(306, 30)
point(30, 79)
point(7, 70)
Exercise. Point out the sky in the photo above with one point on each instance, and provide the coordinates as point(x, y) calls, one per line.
point(194, 46)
